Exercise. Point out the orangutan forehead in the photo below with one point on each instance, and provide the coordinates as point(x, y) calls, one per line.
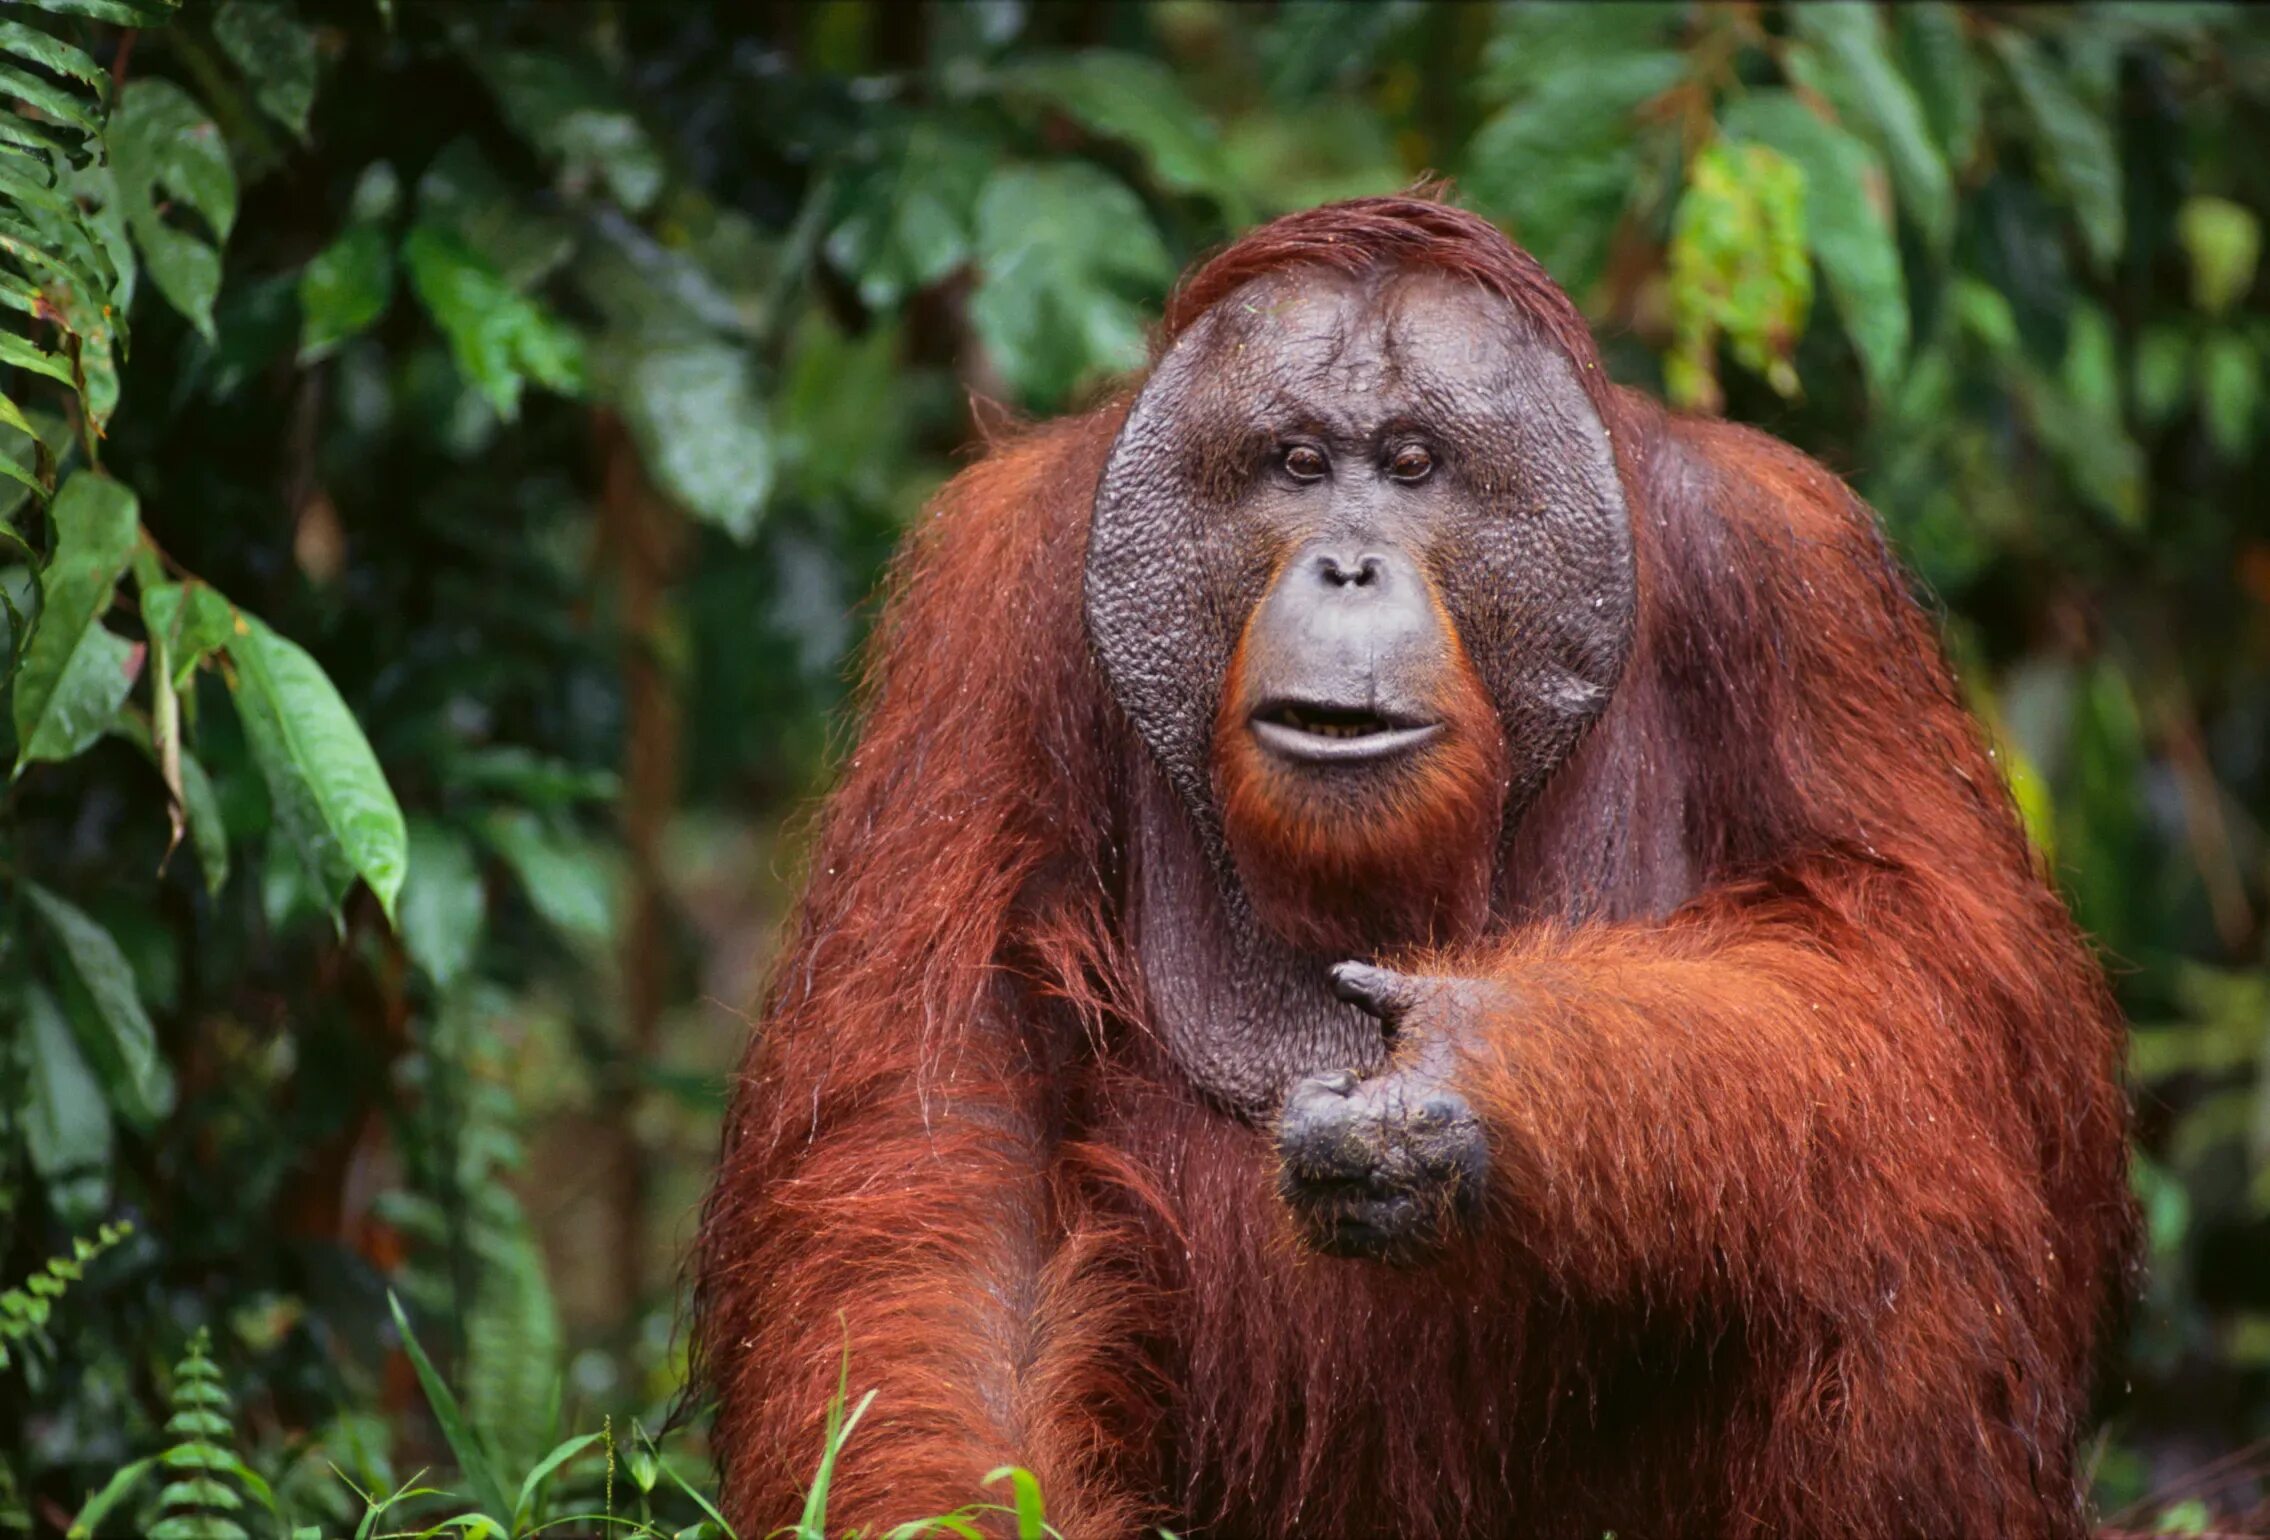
point(1405, 333)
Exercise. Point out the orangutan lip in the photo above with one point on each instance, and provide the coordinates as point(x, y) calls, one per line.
point(1336, 735)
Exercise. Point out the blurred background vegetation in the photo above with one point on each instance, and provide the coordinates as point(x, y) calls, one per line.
point(522, 398)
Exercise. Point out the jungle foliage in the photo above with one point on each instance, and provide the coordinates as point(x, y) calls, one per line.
point(444, 448)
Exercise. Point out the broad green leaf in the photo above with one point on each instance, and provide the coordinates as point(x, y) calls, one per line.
point(344, 289)
point(569, 879)
point(498, 336)
point(1140, 102)
point(2224, 241)
point(571, 113)
point(163, 147)
point(1936, 59)
point(1847, 222)
point(1850, 37)
point(119, 13)
point(903, 222)
point(330, 798)
point(75, 674)
point(1072, 268)
point(106, 1009)
point(443, 904)
point(1582, 123)
point(2161, 373)
point(276, 52)
point(2076, 143)
point(66, 1124)
point(700, 425)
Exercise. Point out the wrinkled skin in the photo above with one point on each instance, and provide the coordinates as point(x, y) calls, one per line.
point(1361, 578)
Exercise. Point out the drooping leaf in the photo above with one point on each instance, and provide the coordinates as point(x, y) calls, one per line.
point(1072, 267)
point(75, 674)
point(330, 798)
point(499, 337)
point(1848, 223)
point(443, 904)
point(276, 52)
point(700, 425)
point(1936, 59)
point(1849, 35)
point(2075, 140)
point(66, 1123)
point(163, 148)
point(1581, 122)
point(105, 1010)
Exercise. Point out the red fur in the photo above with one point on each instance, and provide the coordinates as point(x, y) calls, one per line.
point(1808, 1196)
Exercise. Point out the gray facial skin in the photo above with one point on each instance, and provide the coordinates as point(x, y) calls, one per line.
point(1519, 526)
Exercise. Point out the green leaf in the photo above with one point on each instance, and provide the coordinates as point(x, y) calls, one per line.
point(275, 52)
point(1936, 59)
point(1847, 223)
point(1850, 36)
point(1579, 121)
point(66, 1124)
point(903, 222)
point(701, 427)
point(1140, 102)
point(498, 336)
point(1024, 1487)
point(2224, 241)
point(75, 674)
point(568, 879)
point(463, 1439)
point(114, 1031)
point(2076, 142)
point(1072, 268)
point(162, 146)
point(330, 798)
point(344, 289)
point(443, 904)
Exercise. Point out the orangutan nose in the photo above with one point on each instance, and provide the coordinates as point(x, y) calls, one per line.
point(1343, 656)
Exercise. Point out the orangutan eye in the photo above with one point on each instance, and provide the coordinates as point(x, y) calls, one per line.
point(1304, 463)
point(1411, 463)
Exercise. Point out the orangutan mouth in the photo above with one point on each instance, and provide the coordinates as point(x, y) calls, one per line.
point(1324, 734)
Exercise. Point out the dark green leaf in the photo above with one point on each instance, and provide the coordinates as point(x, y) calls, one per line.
point(904, 222)
point(443, 904)
point(75, 674)
point(52, 52)
point(1141, 102)
point(330, 799)
point(1936, 59)
point(465, 1441)
point(162, 146)
point(114, 1031)
point(568, 879)
point(276, 52)
point(2076, 142)
point(66, 1124)
point(2230, 389)
point(571, 113)
point(1850, 37)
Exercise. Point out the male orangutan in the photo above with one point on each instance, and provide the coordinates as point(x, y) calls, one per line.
point(1414, 945)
